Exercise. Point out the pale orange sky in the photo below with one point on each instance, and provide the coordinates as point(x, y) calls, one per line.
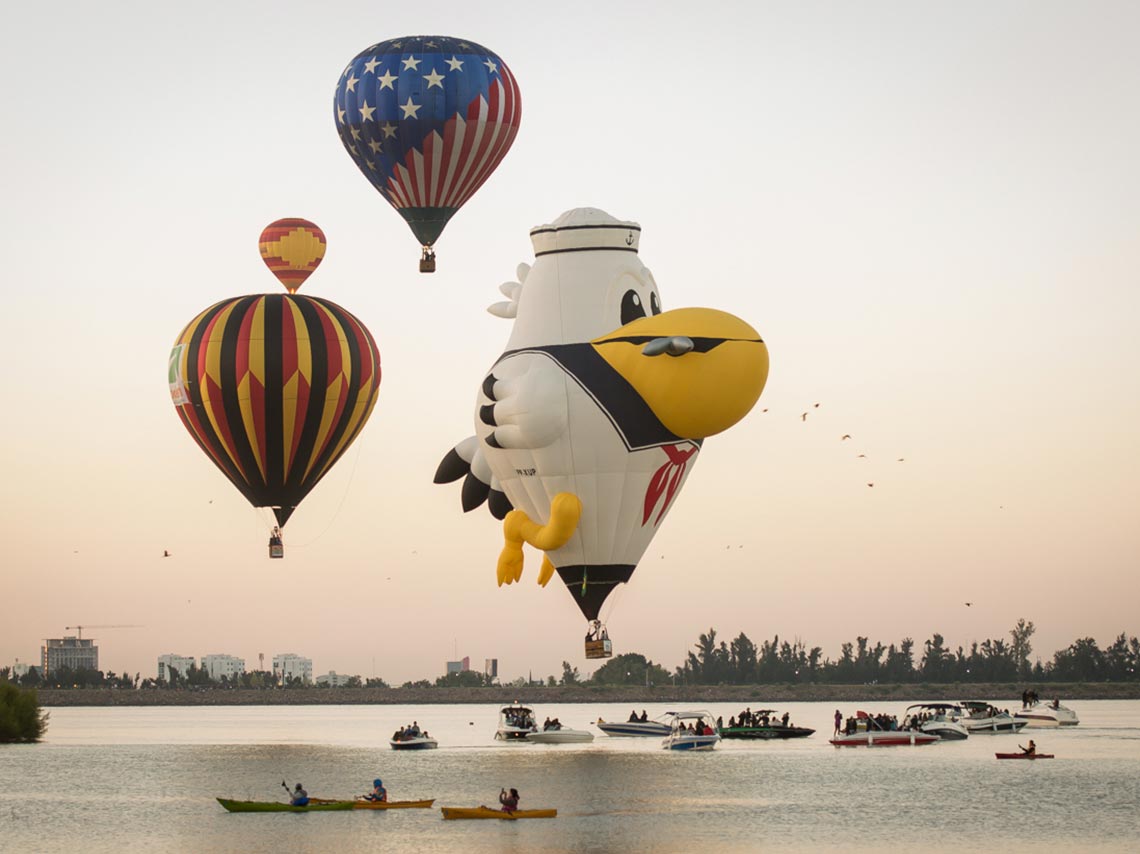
point(931, 215)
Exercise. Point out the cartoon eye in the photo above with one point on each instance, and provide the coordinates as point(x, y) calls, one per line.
point(654, 304)
point(631, 307)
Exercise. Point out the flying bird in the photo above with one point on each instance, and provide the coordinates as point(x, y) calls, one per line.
point(861, 457)
point(900, 459)
point(803, 417)
point(968, 604)
point(165, 553)
point(817, 406)
point(870, 484)
point(844, 437)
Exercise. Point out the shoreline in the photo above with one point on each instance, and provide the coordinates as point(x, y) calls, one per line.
point(700, 694)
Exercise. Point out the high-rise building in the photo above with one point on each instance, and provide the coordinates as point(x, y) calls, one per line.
point(459, 666)
point(288, 665)
point(170, 661)
point(218, 666)
point(491, 668)
point(69, 651)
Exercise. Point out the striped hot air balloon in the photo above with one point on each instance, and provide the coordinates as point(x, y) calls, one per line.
point(292, 248)
point(274, 388)
point(427, 119)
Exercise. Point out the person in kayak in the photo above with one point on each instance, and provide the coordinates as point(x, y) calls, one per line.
point(509, 801)
point(378, 793)
point(1031, 750)
point(298, 797)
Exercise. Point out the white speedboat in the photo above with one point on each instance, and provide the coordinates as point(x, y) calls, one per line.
point(941, 719)
point(986, 718)
point(692, 730)
point(658, 727)
point(863, 731)
point(414, 742)
point(515, 723)
point(1038, 714)
point(558, 734)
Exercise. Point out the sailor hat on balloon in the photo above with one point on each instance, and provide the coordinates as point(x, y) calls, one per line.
point(588, 424)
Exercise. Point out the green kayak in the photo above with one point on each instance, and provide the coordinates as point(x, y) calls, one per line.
point(274, 806)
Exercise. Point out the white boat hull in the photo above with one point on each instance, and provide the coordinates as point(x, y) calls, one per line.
point(1042, 715)
point(560, 736)
point(634, 728)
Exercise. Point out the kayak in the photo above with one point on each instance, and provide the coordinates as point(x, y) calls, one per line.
point(362, 804)
point(487, 812)
point(275, 806)
point(1024, 755)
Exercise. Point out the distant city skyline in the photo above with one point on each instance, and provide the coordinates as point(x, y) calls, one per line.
point(929, 213)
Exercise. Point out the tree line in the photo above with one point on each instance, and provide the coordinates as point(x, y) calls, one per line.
point(737, 662)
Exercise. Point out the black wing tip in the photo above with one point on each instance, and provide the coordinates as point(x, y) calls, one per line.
point(499, 504)
point(451, 468)
point(474, 493)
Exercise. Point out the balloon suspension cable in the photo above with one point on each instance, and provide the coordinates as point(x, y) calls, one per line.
point(427, 260)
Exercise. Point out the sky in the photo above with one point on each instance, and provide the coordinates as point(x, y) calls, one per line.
point(930, 213)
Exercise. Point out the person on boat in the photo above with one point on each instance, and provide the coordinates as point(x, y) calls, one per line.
point(732, 723)
point(510, 801)
point(838, 721)
point(378, 793)
point(786, 717)
point(632, 717)
point(298, 797)
point(644, 715)
point(720, 722)
point(1056, 703)
point(1031, 750)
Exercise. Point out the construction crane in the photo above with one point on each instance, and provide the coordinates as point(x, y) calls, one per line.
point(81, 628)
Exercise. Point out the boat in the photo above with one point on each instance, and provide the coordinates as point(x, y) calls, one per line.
point(864, 731)
point(658, 727)
point(1024, 755)
point(767, 726)
point(985, 718)
point(680, 738)
point(414, 742)
point(558, 734)
point(361, 803)
point(515, 723)
point(1038, 714)
point(487, 812)
point(941, 719)
point(277, 806)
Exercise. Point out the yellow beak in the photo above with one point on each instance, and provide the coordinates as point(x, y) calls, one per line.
point(700, 370)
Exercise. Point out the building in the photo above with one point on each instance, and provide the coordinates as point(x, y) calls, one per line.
point(332, 679)
point(288, 666)
point(491, 668)
point(217, 666)
point(178, 663)
point(20, 669)
point(68, 651)
point(459, 666)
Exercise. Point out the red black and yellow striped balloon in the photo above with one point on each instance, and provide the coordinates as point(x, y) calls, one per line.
point(292, 249)
point(274, 389)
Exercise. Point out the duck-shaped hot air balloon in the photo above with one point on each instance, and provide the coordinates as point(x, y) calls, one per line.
point(427, 119)
point(589, 423)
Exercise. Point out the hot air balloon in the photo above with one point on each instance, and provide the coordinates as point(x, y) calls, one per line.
point(292, 249)
point(274, 388)
point(427, 119)
point(589, 423)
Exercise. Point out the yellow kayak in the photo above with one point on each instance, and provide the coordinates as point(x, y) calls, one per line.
point(487, 812)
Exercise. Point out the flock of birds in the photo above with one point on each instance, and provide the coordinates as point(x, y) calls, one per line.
point(843, 438)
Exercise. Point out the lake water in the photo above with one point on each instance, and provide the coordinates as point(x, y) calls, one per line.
point(145, 779)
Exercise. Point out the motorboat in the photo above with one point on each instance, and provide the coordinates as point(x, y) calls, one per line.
point(414, 742)
point(1038, 714)
point(558, 734)
point(658, 727)
point(863, 730)
point(765, 724)
point(986, 718)
point(691, 730)
point(515, 723)
point(941, 719)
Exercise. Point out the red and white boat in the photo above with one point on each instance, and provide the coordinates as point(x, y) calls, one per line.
point(868, 733)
